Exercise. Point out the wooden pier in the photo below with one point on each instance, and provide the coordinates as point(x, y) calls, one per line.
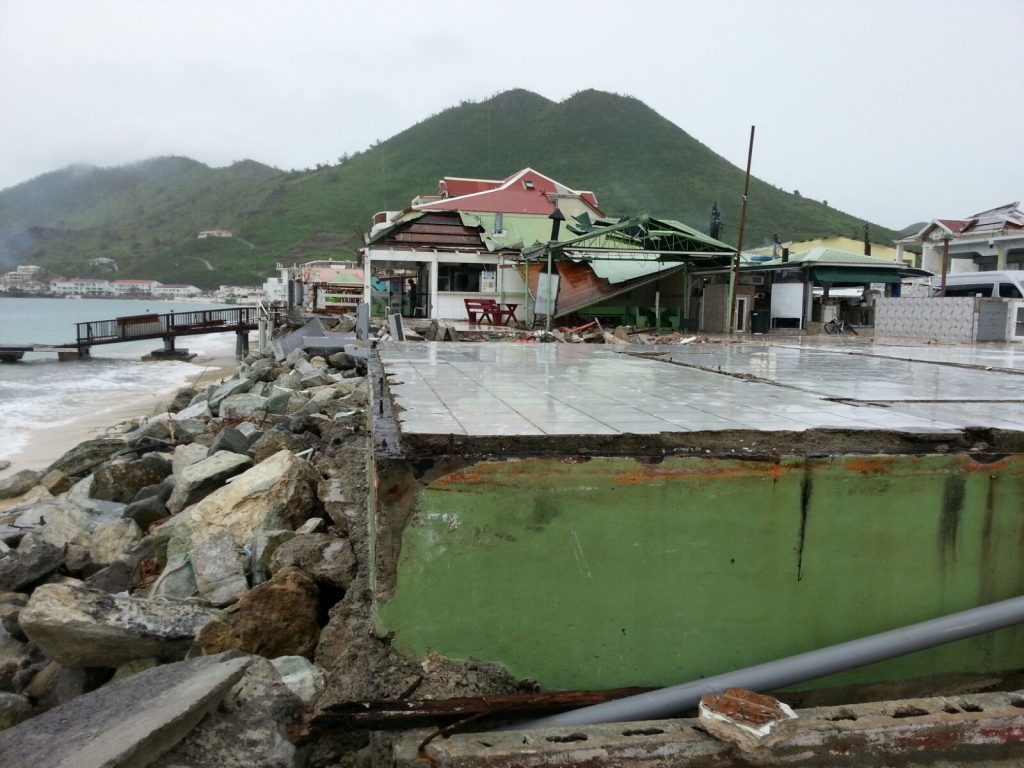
point(167, 327)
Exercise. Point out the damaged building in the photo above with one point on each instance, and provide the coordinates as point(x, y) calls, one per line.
point(500, 240)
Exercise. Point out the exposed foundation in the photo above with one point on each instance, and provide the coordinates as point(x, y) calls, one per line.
point(592, 520)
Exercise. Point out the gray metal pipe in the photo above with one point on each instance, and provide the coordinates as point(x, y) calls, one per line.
point(773, 675)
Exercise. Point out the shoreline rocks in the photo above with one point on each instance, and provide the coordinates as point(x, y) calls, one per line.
point(234, 523)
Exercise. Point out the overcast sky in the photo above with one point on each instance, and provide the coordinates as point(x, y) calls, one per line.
point(894, 110)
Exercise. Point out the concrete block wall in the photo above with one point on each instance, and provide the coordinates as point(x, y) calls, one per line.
point(948, 319)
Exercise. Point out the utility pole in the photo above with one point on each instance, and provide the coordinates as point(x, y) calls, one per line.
point(735, 274)
point(557, 217)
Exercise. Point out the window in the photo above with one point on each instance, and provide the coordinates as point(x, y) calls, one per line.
point(969, 290)
point(1009, 291)
point(459, 277)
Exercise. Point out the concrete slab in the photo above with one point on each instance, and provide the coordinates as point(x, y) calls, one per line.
point(783, 481)
point(127, 724)
point(479, 389)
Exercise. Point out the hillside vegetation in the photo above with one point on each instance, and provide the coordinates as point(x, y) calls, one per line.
point(146, 215)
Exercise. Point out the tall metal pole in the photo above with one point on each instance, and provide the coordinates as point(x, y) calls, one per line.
point(735, 274)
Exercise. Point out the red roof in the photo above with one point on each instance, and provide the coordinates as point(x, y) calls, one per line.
point(956, 226)
point(524, 192)
point(453, 186)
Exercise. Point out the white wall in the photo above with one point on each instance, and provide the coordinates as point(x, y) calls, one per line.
point(948, 319)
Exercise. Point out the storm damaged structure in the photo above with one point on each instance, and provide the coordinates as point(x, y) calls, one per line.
point(592, 518)
point(494, 240)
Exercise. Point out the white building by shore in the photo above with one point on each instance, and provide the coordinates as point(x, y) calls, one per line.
point(77, 286)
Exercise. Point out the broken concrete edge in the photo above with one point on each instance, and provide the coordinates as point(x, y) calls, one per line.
point(968, 728)
point(128, 724)
point(383, 419)
point(719, 444)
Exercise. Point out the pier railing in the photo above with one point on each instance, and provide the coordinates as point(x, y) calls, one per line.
point(171, 324)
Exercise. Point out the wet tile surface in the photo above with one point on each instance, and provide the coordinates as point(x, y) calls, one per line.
point(553, 389)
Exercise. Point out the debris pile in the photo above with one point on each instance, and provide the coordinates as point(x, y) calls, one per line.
point(207, 565)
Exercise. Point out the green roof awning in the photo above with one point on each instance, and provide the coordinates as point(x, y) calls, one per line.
point(857, 275)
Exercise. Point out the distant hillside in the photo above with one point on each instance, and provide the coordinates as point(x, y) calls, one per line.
point(146, 215)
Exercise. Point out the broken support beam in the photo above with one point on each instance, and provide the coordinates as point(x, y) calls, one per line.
point(406, 713)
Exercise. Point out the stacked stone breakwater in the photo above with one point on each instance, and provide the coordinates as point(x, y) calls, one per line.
point(190, 588)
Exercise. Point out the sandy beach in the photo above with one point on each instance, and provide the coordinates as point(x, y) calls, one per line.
point(49, 443)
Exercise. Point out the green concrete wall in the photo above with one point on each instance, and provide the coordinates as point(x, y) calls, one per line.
point(611, 572)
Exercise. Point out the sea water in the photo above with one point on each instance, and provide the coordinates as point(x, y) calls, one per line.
point(40, 393)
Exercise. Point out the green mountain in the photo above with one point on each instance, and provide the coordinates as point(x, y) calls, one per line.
point(146, 216)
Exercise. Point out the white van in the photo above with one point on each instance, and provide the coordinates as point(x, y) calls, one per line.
point(1007, 284)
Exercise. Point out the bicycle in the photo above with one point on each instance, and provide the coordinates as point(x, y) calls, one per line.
point(835, 326)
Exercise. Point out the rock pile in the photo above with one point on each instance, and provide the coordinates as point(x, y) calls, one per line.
point(230, 528)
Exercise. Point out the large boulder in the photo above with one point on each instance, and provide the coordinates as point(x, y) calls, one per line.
point(198, 480)
point(199, 411)
point(120, 479)
point(304, 678)
point(66, 523)
point(279, 492)
point(230, 439)
point(55, 482)
point(28, 564)
point(187, 455)
point(13, 709)
point(129, 723)
point(56, 684)
point(85, 456)
point(218, 569)
point(316, 379)
point(263, 370)
point(244, 406)
point(11, 604)
point(81, 627)
point(276, 618)
point(275, 440)
point(341, 362)
point(16, 658)
point(284, 400)
point(112, 541)
point(258, 713)
point(18, 484)
point(227, 389)
point(289, 380)
point(181, 399)
point(147, 511)
point(328, 559)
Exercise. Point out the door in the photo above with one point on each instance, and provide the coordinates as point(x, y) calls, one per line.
point(741, 314)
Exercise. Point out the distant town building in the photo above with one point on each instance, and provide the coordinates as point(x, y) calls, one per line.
point(23, 279)
point(276, 288)
point(103, 263)
point(215, 233)
point(126, 287)
point(76, 286)
point(239, 294)
point(175, 290)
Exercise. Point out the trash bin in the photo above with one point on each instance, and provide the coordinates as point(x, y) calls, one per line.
point(760, 321)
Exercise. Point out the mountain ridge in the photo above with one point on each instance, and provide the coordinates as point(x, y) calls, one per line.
point(146, 215)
